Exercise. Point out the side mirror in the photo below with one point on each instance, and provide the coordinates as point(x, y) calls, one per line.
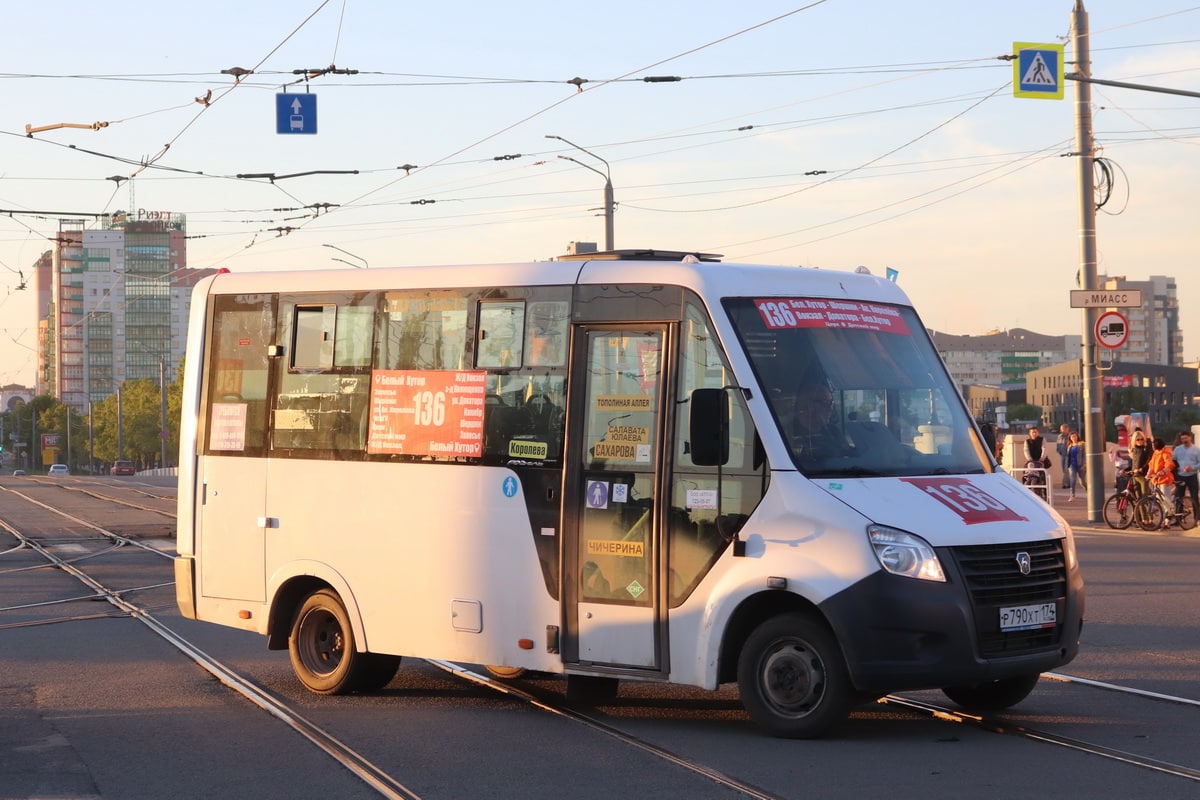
point(708, 427)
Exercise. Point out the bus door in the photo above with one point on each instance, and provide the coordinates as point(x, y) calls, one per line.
point(612, 559)
point(232, 458)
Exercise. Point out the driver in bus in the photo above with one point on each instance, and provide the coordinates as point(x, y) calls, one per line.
point(815, 434)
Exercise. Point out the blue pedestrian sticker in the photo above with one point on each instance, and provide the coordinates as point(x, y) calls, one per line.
point(597, 494)
point(509, 487)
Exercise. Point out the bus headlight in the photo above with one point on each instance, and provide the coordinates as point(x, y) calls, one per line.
point(1069, 551)
point(904, 554)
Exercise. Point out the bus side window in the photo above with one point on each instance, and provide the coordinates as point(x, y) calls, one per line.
point(324, 382)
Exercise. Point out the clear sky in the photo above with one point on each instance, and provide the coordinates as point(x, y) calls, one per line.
point(828, 134)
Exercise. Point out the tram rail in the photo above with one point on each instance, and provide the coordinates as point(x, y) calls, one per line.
point(386, 784)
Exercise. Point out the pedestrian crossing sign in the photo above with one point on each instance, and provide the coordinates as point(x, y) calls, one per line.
point(1038, 70)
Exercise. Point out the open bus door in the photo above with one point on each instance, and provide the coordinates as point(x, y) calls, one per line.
point(612, 560)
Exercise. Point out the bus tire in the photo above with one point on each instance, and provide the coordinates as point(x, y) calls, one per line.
point(591, 690)
point(373, 671)
point(992, 695)
point(321, 645)
point(793, 679)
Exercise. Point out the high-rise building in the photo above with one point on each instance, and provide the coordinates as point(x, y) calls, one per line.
point(120, 297)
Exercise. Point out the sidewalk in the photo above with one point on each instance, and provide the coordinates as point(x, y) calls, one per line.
point(1076, 514)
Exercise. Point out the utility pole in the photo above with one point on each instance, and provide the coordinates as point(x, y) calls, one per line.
point(609, 202)
point(1085, 151)
point(162, 396)
point(1093, 411)
point(120, 428)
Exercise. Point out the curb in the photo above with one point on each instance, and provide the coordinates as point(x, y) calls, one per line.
point(1076, 515)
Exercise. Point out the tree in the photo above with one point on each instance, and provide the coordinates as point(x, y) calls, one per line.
point(135, 436)
point(1024, 412)
point(128, 427)
point(23, 421)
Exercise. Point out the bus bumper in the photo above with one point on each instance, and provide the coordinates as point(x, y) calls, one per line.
point(185, 585)
point(900, 634)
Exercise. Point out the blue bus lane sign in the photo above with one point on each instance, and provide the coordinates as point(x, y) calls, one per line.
point(295, 113)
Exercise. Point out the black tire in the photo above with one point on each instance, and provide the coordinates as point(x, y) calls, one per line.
point(1148, 513)
point(590, 690)
point(1187, 520)
point(992, 695)
point(1118, 511)
point(793, 678)
point(321, 645)
point(373, 671)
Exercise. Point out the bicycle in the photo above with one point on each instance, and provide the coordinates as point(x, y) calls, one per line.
point(1160, 510)
point(1118, 508)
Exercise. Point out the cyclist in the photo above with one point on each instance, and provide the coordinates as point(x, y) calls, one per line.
point(1161, 472)
point(1140, 452)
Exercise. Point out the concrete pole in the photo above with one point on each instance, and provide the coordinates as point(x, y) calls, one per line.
point(1093, 389)
point(162, 398)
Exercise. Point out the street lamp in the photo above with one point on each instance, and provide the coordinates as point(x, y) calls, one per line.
point(365, 265)
point(609, 205)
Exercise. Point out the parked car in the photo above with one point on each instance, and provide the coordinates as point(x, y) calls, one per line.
point(58, 469)
point(123, 468)
point(18, 472)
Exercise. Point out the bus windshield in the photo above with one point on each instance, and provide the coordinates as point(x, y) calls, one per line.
point(857, 388)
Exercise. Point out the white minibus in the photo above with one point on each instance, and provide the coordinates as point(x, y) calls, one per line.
point(624, 466)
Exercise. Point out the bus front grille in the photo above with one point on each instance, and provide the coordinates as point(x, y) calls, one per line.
point(994, 579)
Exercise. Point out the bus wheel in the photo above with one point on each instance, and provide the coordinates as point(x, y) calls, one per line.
point(793, 679)
point(591, 690)
point(992, 695)
point(322, 645)
point(505, 673)
point(373, 671)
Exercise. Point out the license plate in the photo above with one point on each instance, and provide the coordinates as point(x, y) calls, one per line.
point(1024, 618)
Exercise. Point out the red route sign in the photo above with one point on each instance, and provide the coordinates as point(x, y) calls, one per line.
point(807, 312)
point(427, 412)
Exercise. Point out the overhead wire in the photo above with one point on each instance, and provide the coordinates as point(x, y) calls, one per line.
point(591, 86)
point(1015, 166)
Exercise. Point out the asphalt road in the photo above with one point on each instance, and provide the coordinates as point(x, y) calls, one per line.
point(94, 704)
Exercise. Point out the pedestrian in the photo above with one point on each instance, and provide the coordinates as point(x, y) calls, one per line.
point(1187, 461)
point(1035, 449)
point(1064, 432)
point(1074, 463)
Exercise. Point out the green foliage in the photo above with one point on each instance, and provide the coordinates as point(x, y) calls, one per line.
point(135, 436)
point(1024, 411)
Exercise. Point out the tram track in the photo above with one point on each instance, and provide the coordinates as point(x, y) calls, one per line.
point(388, 786)
point(95, 493)
point(347, 757)
point(1007, 728)
point(344, 754)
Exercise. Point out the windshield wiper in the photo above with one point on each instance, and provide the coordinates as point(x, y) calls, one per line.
point(845, 472)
